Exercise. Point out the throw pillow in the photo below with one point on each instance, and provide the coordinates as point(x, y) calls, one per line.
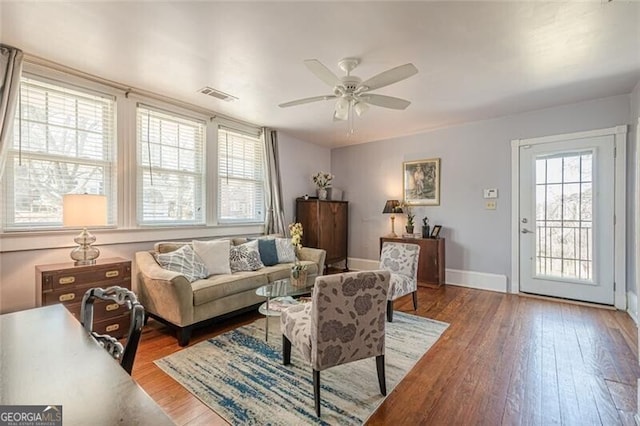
point(185, 261)
point(268, 252)
point(286, 252)
point(215, 255)
point(245, 257)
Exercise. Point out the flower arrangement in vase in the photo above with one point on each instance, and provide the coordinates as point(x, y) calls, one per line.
point(298, 271)
point(322, 181)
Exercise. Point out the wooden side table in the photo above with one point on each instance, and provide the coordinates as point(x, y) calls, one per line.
point(431, 261)
point(66, 283)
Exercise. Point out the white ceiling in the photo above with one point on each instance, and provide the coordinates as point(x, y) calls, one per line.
point(476, 59)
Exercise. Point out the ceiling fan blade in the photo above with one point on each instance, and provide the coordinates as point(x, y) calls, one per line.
point(385, 101)
point(307, 100)
point(389, 77)
point(322, 72)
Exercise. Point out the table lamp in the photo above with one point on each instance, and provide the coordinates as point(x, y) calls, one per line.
point(392, 207)
point(84, 210)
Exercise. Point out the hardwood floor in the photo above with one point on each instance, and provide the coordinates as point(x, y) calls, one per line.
point(504, 359)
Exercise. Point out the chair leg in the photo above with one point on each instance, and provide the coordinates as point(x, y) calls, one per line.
point(286, 350)
point(389, 310)
point(381, 377)
point(316, 390)
point(415, 300)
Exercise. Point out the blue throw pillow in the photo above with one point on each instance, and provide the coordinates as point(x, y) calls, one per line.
point(268, 252)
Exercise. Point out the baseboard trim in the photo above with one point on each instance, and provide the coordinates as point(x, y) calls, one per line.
point(479, 280)
point(356, 264)
point(632, 306)
point(470, 279)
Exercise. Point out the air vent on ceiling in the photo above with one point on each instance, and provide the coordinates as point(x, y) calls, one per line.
point(210, 91)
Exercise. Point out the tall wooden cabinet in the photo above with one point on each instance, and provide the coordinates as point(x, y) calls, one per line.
point(325, 225)
point(431, 260)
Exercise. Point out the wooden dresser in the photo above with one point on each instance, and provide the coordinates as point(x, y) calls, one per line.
point(325, 225)
point(66, 283)
point(431, 263)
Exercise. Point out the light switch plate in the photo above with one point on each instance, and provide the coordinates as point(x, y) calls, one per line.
point(491, 193)
point(490, 205)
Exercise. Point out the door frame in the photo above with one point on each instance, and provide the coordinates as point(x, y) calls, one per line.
point(619, 256)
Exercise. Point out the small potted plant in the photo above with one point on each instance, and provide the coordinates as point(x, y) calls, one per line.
point(410, 217)
point(425, 227)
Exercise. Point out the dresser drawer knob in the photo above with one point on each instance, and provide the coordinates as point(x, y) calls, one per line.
point(112, 327)
point(67, 297)
point(67, 280)
point(112, 307)
point(111, 274)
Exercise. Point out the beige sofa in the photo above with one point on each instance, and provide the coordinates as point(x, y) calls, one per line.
point(169, 297)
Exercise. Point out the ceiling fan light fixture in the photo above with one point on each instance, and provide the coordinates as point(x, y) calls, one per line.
point(360, 108)
point(342, 109)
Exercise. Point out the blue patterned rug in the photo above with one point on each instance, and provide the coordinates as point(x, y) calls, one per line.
point(241, 377)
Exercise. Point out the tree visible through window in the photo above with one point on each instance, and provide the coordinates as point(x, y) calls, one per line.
point(170, 169)
point(62, 143)
point(241, 184)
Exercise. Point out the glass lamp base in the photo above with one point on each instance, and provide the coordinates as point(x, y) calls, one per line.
point(85, 253)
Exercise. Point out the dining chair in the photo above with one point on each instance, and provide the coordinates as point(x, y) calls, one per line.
point(344, 322)
point(401, 260)
point(124, 354)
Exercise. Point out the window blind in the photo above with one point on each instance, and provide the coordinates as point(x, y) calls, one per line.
point(63, 142)
point(241, 185)
point(170, 168)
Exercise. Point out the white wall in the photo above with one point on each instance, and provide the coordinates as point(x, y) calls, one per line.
point(633, 154)
point(473, 156)
point(299, 160)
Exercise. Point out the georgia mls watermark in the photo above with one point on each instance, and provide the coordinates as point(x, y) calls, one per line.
point(30, 415)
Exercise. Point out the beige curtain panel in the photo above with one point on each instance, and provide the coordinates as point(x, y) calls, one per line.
point(10, 70)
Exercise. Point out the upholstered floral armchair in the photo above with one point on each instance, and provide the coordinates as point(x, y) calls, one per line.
point(401, 260)
point(344, 322)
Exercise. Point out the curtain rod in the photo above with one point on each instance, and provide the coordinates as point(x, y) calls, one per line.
point(36, 60)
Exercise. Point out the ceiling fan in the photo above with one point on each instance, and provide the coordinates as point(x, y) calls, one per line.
point(351, 92)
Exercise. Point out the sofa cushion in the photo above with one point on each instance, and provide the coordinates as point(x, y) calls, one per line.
point(268, 251)
point(185, 261)
point(214, 254)
point(245, 257)
point(218, 286)
point(286, 252)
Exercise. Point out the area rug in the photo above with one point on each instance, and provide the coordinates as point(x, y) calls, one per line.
point(241, 377)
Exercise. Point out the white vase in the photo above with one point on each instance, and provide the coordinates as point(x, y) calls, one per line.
point(322, 193)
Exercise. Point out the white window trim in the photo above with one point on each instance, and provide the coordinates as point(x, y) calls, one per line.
point(126, 230)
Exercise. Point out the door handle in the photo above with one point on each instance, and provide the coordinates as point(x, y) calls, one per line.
point(526, 231)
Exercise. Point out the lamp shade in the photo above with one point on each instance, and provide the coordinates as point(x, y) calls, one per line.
point(392, 206)
point(84, 210)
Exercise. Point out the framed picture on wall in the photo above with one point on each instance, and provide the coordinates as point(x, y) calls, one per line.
point(421, 182)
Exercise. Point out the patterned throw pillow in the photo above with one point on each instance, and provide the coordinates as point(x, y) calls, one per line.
point(286, 252)
point(185, 261)
point(245, 257)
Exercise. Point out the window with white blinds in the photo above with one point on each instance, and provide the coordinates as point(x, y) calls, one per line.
point(63, 142)
point(170, 168)
point(241, 185)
